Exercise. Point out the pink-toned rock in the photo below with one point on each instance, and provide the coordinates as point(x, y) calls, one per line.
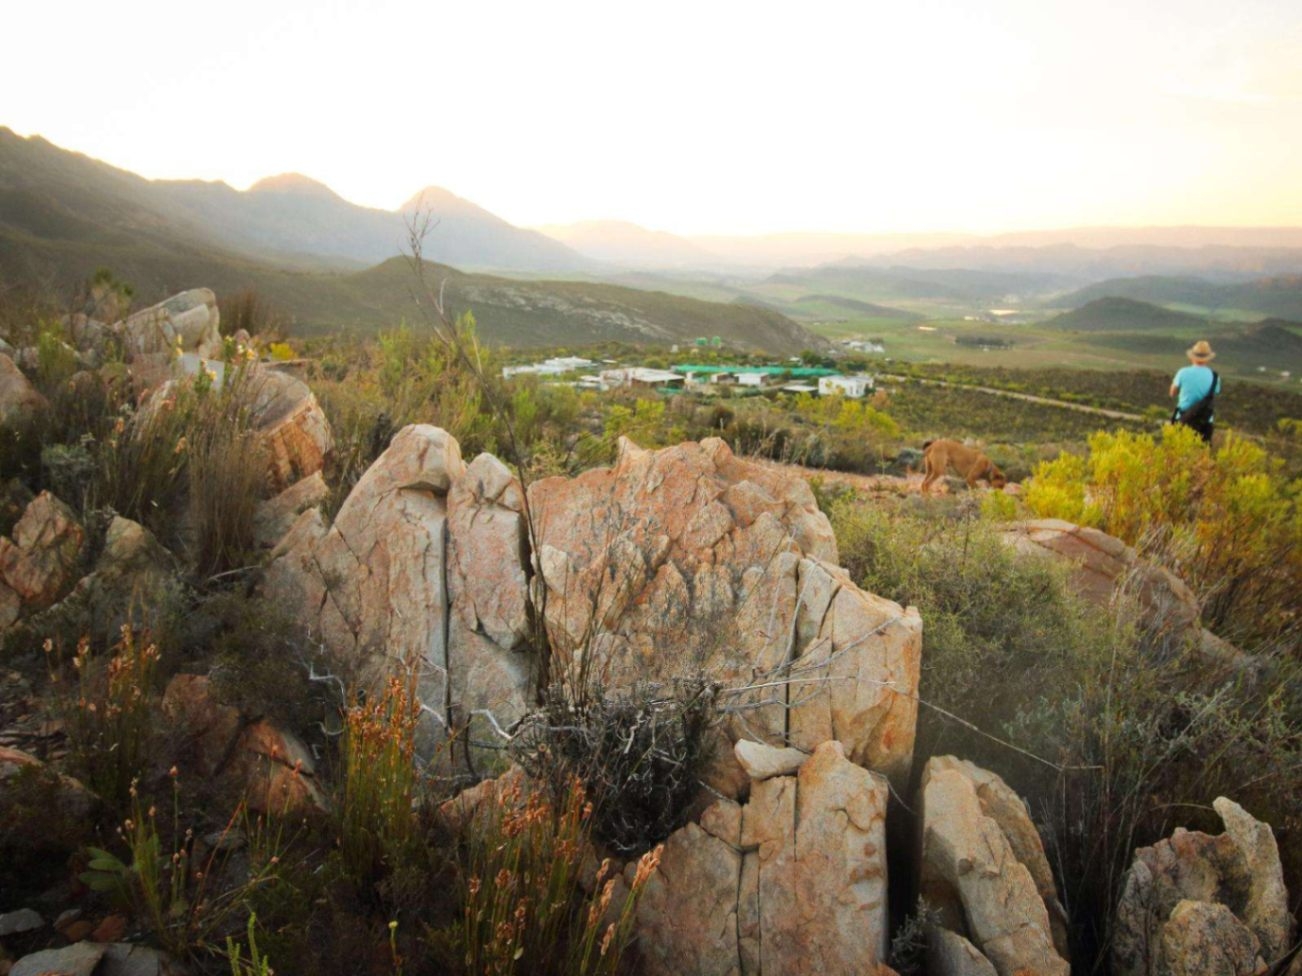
point(19, 400)
point(488, 589)
point(40, 563)
point(263, 765)
point(689, 558)
point(759, 889)
point(1202, 939)
point(1103, 566)
point(976, 833)
point(202, 727)
point(292, 425)
point(276, 516)
point(371, 587)
point(276, 770)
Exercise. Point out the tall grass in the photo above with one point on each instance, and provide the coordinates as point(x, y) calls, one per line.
point(108, 716)
point(189, 464)
point(377, 821)
point(524, 908)
point(1112, 736)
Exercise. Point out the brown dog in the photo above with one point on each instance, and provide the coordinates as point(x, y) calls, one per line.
point(971, 465)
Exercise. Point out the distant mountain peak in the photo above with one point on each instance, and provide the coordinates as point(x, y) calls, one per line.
point(432, 197)
point(293, 183)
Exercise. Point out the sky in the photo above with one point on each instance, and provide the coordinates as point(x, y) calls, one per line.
point(694, 117)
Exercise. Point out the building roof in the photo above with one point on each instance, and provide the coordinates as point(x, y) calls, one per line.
point(795, 371)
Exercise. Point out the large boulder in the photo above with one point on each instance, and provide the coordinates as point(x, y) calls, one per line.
point(793, 881)
point(372, 586)
point(985, 873)
point(41, 561)
point(135, 581)
point(689, 558)
point(20, 402)
point(488, 590)
point(672, 562)
point(292, 425)
point(294, 430)
point(267, 767)
point(1182, 888)
point(187, 322)
point(1103, 566)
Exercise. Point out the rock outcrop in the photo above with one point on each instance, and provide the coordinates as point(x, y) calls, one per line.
point(671, 562)
point(985, 873)
point(188, 322)
point(266, 766)
point(1103, 565)
point(793, 881)
point(20, 402)
point(691, 558)
point(39, 564)
point(372, 587)
point(292, 425)
point(1207, 904)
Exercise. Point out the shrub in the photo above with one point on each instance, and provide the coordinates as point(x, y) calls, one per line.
point(169, 885)
point(639, 756)
point(1111, 745)
point(1226, 519)
point(524, 909)
point(376, 820)
point(109, 722)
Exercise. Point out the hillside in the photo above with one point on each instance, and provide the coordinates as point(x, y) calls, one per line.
point(1276, 296)
point(958, 285)
point(70, 203)
point(1272, 345)
point(550, 313)
point(859, 308)
point(1124, 315)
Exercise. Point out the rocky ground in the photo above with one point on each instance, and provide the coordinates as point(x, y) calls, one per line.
point(683, 561)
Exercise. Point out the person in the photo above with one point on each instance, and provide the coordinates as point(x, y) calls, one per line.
point(1196, 385)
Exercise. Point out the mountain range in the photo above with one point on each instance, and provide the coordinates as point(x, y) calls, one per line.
point(331, 264)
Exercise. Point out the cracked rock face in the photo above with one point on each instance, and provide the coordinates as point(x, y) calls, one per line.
point(39, 564)
point(292, 425)
point(689, 558)
point(189, 320)
point(984, 870)
point(792, 882)
point(671, 562)
point(371, 587)
point(1192, 892)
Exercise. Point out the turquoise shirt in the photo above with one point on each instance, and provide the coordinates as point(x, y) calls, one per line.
point(1194, 382)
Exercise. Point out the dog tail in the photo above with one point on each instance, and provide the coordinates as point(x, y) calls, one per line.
point(927, 444)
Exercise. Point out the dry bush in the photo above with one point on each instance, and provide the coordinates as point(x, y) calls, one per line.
point(638, 755)
point(251, 311)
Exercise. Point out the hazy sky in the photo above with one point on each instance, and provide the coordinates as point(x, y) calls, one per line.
point(695, 117)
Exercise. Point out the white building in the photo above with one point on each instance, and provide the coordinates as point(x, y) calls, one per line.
point(640, 376)
point(851, 386)
point(549, 367)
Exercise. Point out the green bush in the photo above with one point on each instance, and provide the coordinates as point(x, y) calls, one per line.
point(1226, 519)
point(1111, 745)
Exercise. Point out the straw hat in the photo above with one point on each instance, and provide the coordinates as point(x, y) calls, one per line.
point(1201, 351)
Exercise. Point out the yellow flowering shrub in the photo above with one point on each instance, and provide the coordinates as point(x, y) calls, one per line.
point(1226, 519)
